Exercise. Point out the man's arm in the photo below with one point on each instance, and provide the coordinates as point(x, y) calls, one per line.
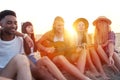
point(26, 37)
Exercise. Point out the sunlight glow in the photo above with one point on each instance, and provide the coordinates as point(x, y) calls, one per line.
point(42, 12)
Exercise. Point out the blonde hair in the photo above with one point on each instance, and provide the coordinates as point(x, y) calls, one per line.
point(101, 34)
point(56, 20)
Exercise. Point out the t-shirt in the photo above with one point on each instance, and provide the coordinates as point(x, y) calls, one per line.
point(8, 49)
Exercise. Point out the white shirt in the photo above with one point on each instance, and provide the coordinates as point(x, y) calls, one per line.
point(58, 39)
point(8, 49)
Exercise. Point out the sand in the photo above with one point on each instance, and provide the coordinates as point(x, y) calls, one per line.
point(110, 73)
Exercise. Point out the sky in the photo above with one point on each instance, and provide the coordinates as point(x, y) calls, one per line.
point(42, 12)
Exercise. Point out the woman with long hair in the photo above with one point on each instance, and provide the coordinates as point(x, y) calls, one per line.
point(54, 44)
point(81, 40)
point(86, 55)
point(42, 62)
point(104, 38)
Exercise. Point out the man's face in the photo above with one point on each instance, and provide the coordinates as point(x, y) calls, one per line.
point(9, 24)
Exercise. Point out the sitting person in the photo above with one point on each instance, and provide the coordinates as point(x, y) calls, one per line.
point(12, 58)
point(104, 39)
point(42, 64)
point(81, 55)
point(54, 44)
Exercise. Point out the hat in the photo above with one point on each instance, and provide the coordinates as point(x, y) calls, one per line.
point(83, 20)
point(102, 18)
point(5, 13)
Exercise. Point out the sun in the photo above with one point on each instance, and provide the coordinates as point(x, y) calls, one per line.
point(91, 29)
point(70, 29)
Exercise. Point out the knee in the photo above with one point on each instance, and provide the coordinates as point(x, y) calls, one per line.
point(21, 60)
point(45, 58)
point(59, 58)
point(43, 61)
point(99, 47)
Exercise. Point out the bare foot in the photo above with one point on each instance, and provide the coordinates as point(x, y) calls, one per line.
point(91, 75)
point(95, 74)
point(105, 77)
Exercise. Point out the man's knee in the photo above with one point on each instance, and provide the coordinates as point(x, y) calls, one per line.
point(21, 60)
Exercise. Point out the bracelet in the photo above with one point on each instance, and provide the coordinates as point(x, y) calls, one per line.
point(25, 35)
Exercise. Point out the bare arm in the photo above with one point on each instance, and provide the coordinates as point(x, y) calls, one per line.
point(111, 47)
point(44, 41)
point(26, 37)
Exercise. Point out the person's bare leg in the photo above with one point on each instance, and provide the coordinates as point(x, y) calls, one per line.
point(52, 68)
point(97, 62)
point(67, 66)
point(44, 73)
point(18, 65)
point(10, 70)
point(3, 78)
point(102, 54)
point(82, 61)
point(91, 65)
point(23, 66)
point(116, 60)
point(104, 57)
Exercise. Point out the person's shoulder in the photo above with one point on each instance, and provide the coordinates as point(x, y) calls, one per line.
point(48, 33)
point(111, 33)
point(18, 38)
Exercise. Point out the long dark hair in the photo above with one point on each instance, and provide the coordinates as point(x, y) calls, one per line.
point(26, 47)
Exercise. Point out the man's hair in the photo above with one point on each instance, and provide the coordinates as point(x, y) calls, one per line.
point(5, 13)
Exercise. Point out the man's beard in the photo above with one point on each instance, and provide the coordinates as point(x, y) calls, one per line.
point(10, 31)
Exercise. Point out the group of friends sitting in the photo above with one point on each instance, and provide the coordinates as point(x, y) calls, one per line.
point(59, 52)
